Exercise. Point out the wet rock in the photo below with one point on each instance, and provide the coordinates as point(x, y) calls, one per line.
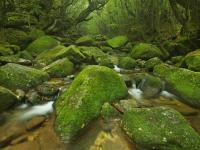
point(16, 76)
point(60, 68)
point(35, 122)
point(33, 97)
point(20, 94)
point(85, 41)
point(160, 128)
point(151, 63)
point(82, 102)
point(146, 51)
point(151, 86)
point(192, 60)
point(7, 98)
point(41, 44)
point(127, 63)
point(181, 82)
point(117, 41)
point(72, 53)
point(20, 139)
point(31, 145)
point(47, 89)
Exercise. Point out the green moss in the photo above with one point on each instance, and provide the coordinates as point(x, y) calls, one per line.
point(85, 40)
point(181, 82)
point(127, 63)
point(160, 128)
point(5, 51)
point(151, 63)
point(82, 102)
point(146, 51)
point(14, 76)
point(35, 34)
point(59, 68)
point(14, 59)
point(192, 60)
point(72, 53)
point(7, 98)
point(117, 41)
point(42, 44)
point(108, 111)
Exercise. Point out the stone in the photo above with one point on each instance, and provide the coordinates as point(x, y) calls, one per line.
point(85, 41)
point(118, 41)
point(127, 63)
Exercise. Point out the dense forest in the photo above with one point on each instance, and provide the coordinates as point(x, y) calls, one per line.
point(100, 74)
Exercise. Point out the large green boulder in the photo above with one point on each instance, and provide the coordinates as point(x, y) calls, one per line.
point(14, 36)
point(72, 53)
point(151, 63)
point(85, 40)
point(160, 128)
point(14, 76)
point(192, 60)
point(118, 41)
point(42, 44)
point(14, 59)
point(94, 55)
point(82, 102)
point(181, 82)
point(35, 33)
point(146, 51)
point(7, 98)
point(59, 68)
point(127, 63)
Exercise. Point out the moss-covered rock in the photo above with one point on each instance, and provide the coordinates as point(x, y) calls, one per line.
point(85, 41)
point(7, 98)
point(82, 102)
point(14, 36)
point(151, 63)
point(5, 51)
point(192, 60)
point(146, 51)
point(127, 63)
point(151, 86)
point(94, 55)
point(14, 76)
point(72, 53)
point(25, 55)
point(59, 68)
point(35, 34)
point(117, 41)
point(14, 59)
point(108, 111)
point(181, 82)
point(160, 128)
point(42, 44)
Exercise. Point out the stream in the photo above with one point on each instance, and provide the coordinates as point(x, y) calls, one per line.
point(32, 127)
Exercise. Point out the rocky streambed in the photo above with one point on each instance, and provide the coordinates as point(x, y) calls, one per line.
point(108, 95)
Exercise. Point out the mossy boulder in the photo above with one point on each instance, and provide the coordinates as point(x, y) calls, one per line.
point(35, 34)
point(160, 128)
point(151, 86)
point(7, 98)
point(192, 60)
point(42, 44)
point(82, 102)
point(181, 82)
point(127, 63)
point(14, 76)
point(118, 41)
point(151, 63)
point(5, 51)
point(94, 55)
point(14, 36)
point(85, 41)
point(146, 51)
point(14, 59)
point(108, 111)
point(60, 68)
point(25, 55)
point(71, 52)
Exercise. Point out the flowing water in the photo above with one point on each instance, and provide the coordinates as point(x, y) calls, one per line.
point(32, 127)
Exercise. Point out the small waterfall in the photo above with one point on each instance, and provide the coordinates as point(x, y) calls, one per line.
point(38, 110)
point(135, 92)
point(167, 94)
point(117, 69)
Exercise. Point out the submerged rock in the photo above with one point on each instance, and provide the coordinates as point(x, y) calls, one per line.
point(127, 63)
point(117, 41)
point(82, 102)
point(16, 76)
point(42, 44)
point(181, 82)
point(60, 68)
point(146, 51)
point(192, 60)
point(160, 128)
point(7, 98)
